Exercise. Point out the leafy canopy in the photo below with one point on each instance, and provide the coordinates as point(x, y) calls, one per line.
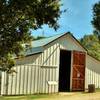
point(17, 17)
point(91, 43)
point(96, 18)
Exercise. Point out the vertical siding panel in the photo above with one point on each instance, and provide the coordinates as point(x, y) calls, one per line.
point(54, 55)
point(43, 79)
point(18, 79)
point(36, 67)
point(5, 83)
point(90, 78)
point(29, 81)
point(25, 79)
point(50, 74)
point(2, 83)
point(48, 80)
point(3, 88)
point(35, 78)
point(89, 75)
point(43, 59)
point(99, 80)
point(94, 78)
point(9, 84)
point(57, 78)
point(38, 81)
point(53, 74)
point(32, 84)
point(21, 79)
point(57, 69)
point(13, 84)
point(51, 58)
point(40, 63)
point(46, 57)
point(93, 74)
point(53, 79)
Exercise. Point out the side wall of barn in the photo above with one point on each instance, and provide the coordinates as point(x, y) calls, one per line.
point(92, 72)
point(38, 73)
point(34, 74)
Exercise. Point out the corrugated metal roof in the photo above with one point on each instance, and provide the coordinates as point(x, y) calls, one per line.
point(34, 50)
point(42, 42)
point(37, 46)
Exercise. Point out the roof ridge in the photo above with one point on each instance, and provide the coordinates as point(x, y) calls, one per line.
point(48, 37)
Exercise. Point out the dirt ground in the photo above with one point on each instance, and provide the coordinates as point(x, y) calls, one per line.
point(74, 96)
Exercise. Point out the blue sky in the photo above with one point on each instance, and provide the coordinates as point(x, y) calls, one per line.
point(77, 19)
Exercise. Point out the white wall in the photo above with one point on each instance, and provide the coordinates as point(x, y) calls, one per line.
point(92, 71)
point(35, 71)
point(33, 74)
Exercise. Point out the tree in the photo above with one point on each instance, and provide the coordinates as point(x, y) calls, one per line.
point(96, 18)
point(17, 17)
point(91, 43)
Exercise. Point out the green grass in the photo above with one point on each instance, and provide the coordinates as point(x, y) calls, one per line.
point(28, 97)
point(98, 90)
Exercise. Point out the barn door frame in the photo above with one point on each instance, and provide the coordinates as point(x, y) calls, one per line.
point(71, 73)
point(71, 78)
point(70, 67)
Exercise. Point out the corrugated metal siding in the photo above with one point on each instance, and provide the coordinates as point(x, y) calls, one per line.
point(49, 69)
point(92, 72)
point(34, 72)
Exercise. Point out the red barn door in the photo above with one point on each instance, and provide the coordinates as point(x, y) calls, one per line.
point(78, 76)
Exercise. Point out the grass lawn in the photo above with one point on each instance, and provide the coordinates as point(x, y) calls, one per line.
point(28, 97)
point(60, 96)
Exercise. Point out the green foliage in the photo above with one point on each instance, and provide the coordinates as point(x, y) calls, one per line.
point(91, 43)
point(96, 18)
point(17, 17)
point(39, 37)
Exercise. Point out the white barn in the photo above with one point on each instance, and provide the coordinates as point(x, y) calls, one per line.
point(55, 64)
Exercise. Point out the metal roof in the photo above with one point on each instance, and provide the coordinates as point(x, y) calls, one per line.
point(37, 46)
point(42, 42)
point(34, 50)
